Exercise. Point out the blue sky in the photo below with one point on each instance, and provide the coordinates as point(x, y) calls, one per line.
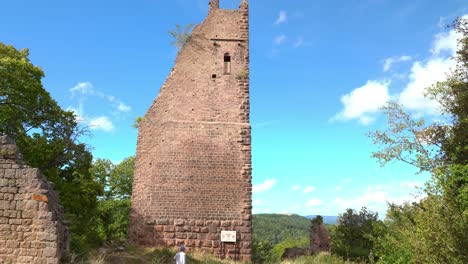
point(319, 71)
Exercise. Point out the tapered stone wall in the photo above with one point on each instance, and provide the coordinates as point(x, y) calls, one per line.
point(31, 220)
point(319, 236)
point(193, 162)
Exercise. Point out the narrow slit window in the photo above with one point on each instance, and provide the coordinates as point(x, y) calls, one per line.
point(227, 63)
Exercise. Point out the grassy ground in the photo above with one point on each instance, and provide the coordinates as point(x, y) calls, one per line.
point(165, 256)
point(322, 258)
point(144, 256)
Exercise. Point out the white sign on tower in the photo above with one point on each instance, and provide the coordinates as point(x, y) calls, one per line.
point(228, 236)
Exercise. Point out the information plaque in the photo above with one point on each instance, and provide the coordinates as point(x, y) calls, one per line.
point(228, 236)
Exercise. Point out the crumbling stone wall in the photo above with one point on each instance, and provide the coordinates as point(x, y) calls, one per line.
point(319, 236)
point(193, 163)
point(31, 219)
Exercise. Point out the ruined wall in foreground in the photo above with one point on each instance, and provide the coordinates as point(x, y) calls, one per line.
point(31, 219)
point(193, 163)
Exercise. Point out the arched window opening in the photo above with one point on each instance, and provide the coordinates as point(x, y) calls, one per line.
point(227, 63)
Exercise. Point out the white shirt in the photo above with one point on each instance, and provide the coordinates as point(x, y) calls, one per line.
point(180, 258)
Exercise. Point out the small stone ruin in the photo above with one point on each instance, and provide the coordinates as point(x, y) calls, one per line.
point(32, 228)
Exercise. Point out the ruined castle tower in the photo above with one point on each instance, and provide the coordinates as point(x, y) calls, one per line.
point(193, 162)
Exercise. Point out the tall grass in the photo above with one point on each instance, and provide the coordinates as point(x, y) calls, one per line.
point(166, 256)
point(322, 258)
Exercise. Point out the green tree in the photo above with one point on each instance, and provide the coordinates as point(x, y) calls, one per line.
point(181, 35)
point(434, 230)
point(278, 250)
point(261, 251)
point(353, 238)
point(114, 204)
point(48, 139)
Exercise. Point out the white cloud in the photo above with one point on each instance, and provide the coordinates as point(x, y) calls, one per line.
point(282, 17)
point(376, 198)
point(296, 187)
point(426, 73)
point(338, 188)
point(309, 189)
point(280, 39)
point(338, 200)
point(83, 88)
point(298, 42)
point(363, 102)
point(374, 195)
point(123, 107)
point(422, 76)
point(101, 123)
point(87, 89)
point(408, 198)
point(446, 41)
point(389, 62)
point(411, 184)
point(265, 186)
point(314, 202)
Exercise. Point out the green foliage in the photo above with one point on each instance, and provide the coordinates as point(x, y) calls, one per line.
point(434, 230)
point(322, 258)
point(404, 140)
point(353, 238)
point(276, 228)
point(114, 204)
point(273, 233)
point(48, 139)
point(137, 121)
point(181, 35)
point(278, 250)
point(261, 251)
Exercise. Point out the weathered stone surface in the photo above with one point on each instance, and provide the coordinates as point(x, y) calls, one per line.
point(319, 237)
point(31, 219)
point(193, 163)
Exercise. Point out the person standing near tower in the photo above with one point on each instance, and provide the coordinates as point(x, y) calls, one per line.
point(180, 256)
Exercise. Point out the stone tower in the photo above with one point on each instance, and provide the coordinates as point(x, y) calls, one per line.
point(193, 162)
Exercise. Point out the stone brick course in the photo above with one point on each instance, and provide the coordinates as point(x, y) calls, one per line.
point(193, 164)
point(31, 219)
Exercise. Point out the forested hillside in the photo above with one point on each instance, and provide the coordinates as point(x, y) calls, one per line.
point(275, 228)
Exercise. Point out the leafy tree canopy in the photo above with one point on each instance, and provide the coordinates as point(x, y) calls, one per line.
point(114, 204)
point(353, 236)
point(435, 229)
point(48, 139)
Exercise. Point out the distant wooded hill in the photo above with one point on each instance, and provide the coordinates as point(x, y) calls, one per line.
point(275, 228)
